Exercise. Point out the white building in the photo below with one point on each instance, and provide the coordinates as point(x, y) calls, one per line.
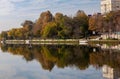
point(109, 5)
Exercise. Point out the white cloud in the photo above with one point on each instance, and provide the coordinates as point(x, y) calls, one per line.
point(16, 0)
point(7, 6)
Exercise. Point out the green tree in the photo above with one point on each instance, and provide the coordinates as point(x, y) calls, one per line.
point(80, 24)
point(50, 30)
point(3, 35)
point(11, 33)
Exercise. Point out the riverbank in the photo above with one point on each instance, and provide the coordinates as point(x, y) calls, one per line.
point(61, 41)
point(104, 42)
point(43, 41)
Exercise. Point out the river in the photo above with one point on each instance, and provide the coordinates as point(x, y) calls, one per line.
point(59, 62)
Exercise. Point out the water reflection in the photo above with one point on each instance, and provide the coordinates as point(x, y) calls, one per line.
point(111, 73)
point(80, 57)
point(49, 56)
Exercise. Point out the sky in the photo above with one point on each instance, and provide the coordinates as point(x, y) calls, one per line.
point(15, 12)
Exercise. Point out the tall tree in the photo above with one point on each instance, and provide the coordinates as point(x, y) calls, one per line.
point(96, 23)
point(80, 24)
point(44, 18)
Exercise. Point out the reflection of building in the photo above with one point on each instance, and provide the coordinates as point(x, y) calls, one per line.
point(107, 72)
point(110, 73)
point(114, 47)
point(110, 5)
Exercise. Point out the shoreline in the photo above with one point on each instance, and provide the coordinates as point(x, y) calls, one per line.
point(43, 41)
point(104, 42)
point(61, 41)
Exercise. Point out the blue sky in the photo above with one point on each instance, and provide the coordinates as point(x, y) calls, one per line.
point(14, 12)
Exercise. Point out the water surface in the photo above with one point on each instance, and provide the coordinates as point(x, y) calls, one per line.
point(59, 62)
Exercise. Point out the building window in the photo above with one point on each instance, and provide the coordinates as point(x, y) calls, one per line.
point(117, 6)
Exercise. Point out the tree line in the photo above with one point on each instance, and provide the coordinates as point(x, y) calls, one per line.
point(62, 26)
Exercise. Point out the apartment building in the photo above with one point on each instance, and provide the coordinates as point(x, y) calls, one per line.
point(109, 5)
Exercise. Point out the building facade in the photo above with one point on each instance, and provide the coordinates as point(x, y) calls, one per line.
point(109, 5)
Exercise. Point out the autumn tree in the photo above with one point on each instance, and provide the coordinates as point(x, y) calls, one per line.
point(116, 21)
point(109, 20)
point(28, 26)
point(96, 23)
point(45, 17)
point(11, 34)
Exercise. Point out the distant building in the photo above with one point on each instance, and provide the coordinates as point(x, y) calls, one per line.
point(109, 5)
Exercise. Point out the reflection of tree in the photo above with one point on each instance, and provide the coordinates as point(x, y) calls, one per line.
point(63, 56)
point(19, 50)
point(4, 48)
point(41, 56)
point(48, 56)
